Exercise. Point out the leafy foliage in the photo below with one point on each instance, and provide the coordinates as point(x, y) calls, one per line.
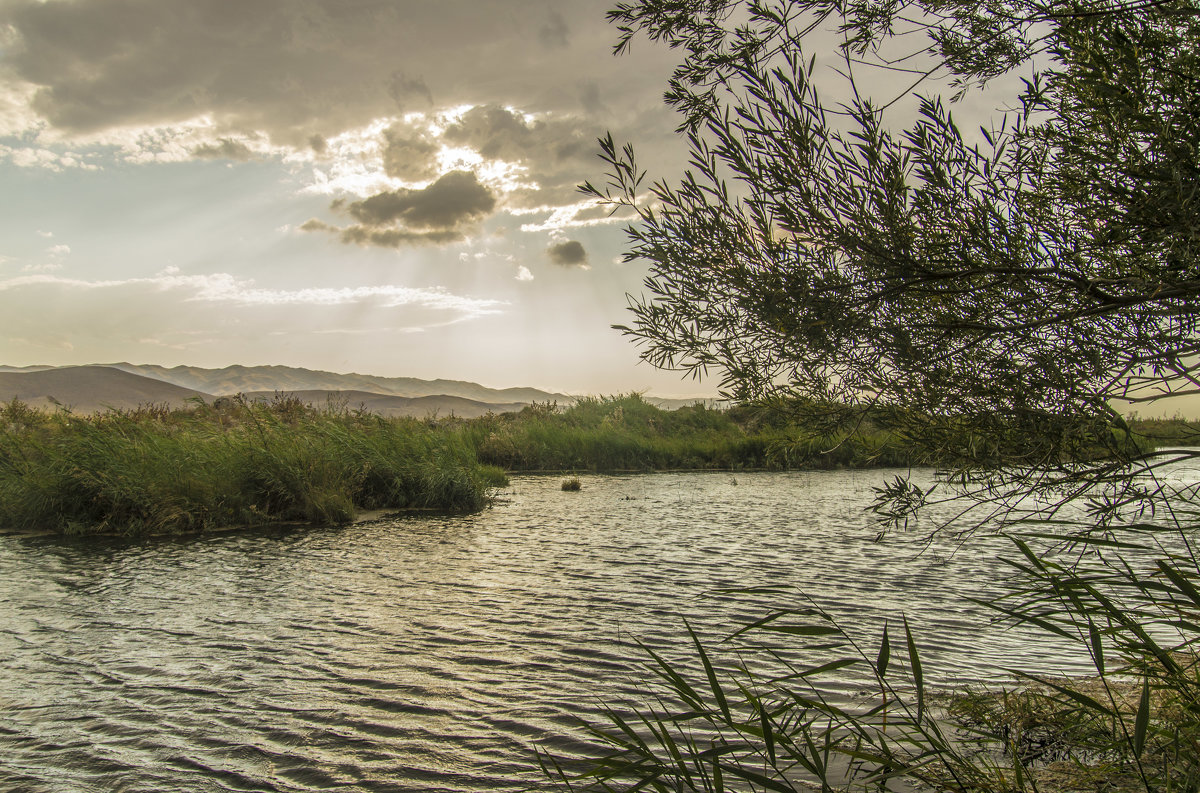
point(1018, 280)
point(996, 295)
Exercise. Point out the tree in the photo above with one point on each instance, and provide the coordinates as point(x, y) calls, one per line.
point(992, 295)
point(1019, 282)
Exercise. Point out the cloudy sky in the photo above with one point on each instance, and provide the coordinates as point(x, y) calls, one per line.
point(380, 186)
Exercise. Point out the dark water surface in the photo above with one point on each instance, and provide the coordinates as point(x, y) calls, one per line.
point(433, 653)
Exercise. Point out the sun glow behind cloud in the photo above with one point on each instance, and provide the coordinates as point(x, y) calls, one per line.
point(284, 155)
point(354, 162)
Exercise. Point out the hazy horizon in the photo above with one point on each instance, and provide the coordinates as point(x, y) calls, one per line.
point(712, 394)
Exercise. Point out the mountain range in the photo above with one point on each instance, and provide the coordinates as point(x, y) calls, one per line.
point(93, 388)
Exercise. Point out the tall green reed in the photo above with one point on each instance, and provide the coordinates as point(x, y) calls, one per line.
point(246, 463)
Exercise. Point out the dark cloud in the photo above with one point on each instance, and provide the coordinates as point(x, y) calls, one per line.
point(500, 133)
point(558, 152)
point(409, 155)
point(268, 64)
point(455, 199)
point(436, 215)
point(318, 144)
point(569, 254)
point(224, 149)
point(589, 97)
point(397, 238)
point(316, 224)
point(403, 89)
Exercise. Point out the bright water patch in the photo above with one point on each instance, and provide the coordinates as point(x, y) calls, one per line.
point(436, 653)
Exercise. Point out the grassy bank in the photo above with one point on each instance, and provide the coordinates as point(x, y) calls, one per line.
point(160, 470)
point(626, 433)
point(155, 470)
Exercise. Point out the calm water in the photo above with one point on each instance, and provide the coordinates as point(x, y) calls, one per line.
point(433, 653)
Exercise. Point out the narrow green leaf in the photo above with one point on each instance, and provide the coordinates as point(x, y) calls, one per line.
point(771, 618)
point(1180, 581)
point(885, 653)
point(718, 694)
point(802, 630)
point(768, 733)
point(1142, 721)
point(1083, 540)
point(1082, 699)
point(758, 779)
point(1025, 617)
point(915, 662)
point(1097, 647)
point(816, 670)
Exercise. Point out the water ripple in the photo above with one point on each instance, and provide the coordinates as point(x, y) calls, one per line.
point(433, 653)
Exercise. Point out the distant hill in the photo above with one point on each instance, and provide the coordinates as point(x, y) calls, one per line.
point(91, 388)
point(88, 389)
point(34, 368)
point(250, 379)
point(388, 405)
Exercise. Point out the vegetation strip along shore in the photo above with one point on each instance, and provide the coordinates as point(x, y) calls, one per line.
point(154, 470)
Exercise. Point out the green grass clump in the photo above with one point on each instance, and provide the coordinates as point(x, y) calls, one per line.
point(627, 433)
point(156, 470)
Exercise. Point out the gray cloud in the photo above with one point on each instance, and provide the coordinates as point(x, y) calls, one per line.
point(403, 88)
point(569, 254)
point(224, 149)
point(497, 132)
point(384, 237)
point(435, 215)
point(455, 199)
point(316, 224)
point(409, 155)
point(397, 238)
point(297, 68)
point(589, 97)
point(559, 152)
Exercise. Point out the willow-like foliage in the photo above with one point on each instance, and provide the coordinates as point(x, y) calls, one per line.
point(1020, 279)
point(992, 296)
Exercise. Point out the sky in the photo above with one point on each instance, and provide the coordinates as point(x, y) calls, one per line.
point(384, 187)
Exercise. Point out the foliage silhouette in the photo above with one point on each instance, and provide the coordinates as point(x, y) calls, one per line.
point(1013, 287)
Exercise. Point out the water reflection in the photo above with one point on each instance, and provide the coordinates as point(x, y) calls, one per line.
point(430, 653)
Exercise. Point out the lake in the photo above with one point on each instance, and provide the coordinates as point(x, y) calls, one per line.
point(437, 653)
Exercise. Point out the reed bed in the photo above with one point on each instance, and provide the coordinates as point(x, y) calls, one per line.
point(156, 470)
point(627, 433)
point(248, 463)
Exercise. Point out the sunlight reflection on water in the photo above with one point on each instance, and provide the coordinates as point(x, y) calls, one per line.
point(436, 653)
